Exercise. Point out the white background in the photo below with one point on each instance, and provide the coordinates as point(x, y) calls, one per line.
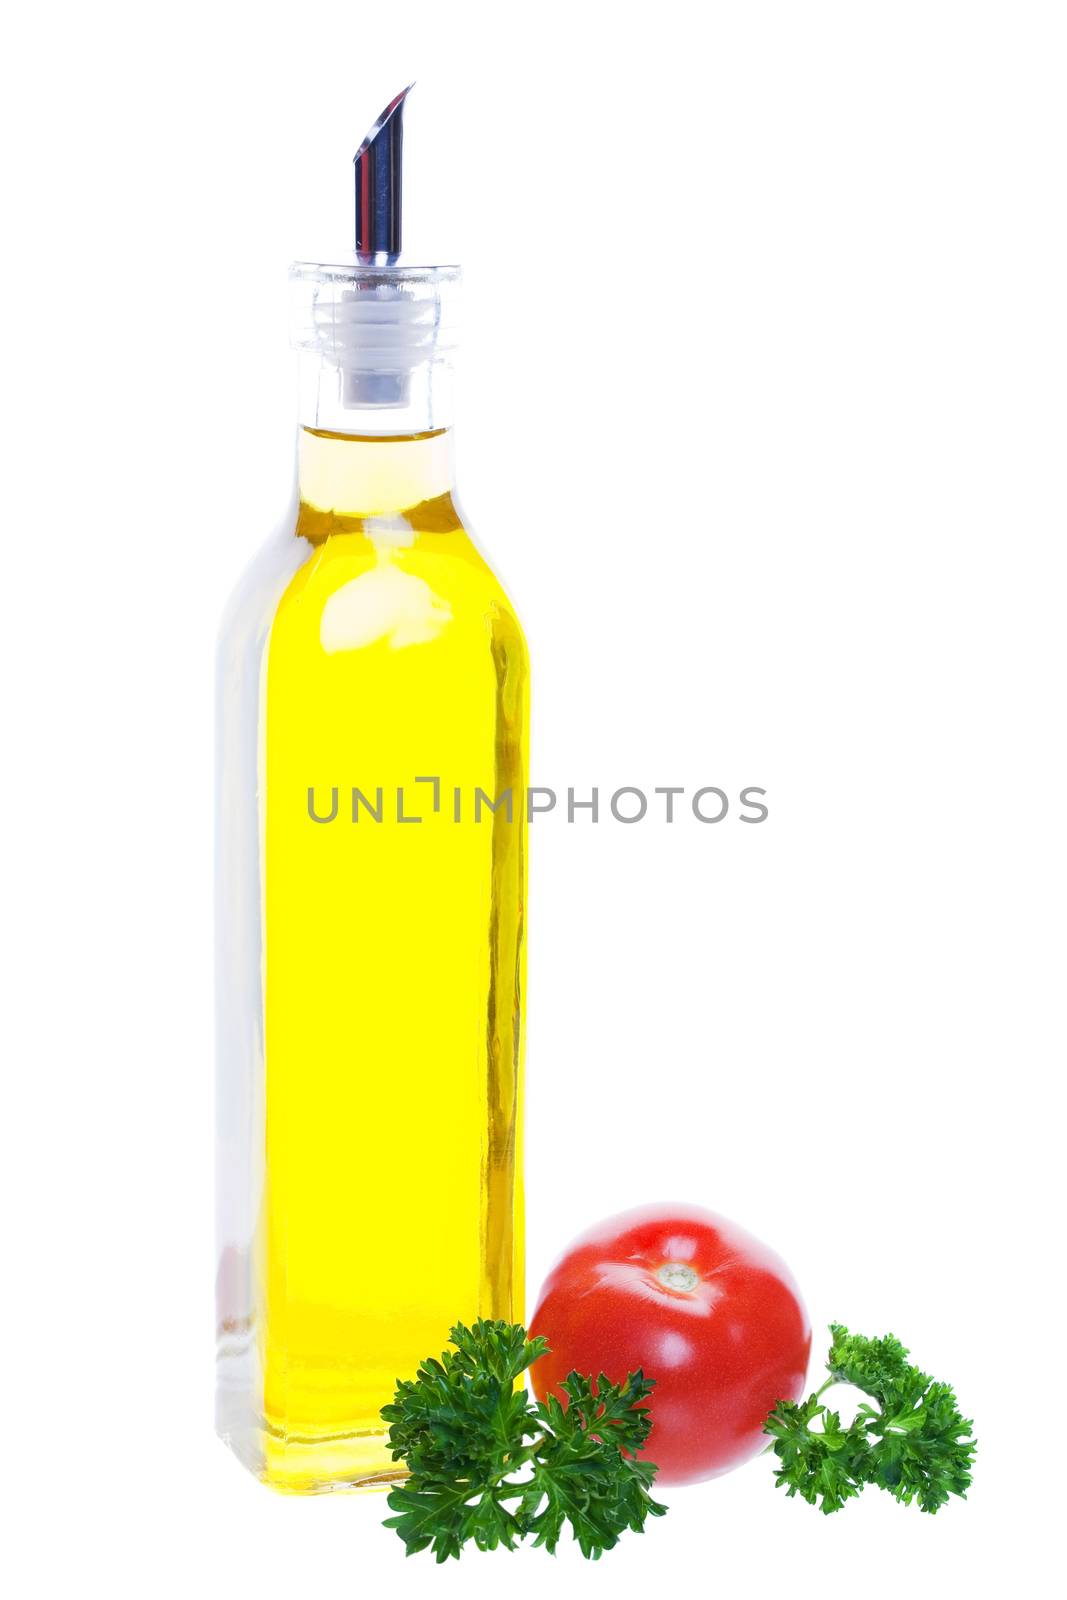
point(762, 406)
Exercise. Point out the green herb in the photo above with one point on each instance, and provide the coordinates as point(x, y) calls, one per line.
point(489, 1465)
point(912, 1441)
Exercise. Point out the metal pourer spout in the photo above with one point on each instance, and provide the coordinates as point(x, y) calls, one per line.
point(379, 163)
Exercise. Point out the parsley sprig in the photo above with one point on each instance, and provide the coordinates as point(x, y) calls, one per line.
point(488, 1465)
point(912, 1442)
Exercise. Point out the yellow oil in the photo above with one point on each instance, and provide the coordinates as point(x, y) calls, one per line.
point(393, 953)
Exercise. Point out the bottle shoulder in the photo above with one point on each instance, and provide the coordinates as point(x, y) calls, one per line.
point(398, 564)
point(396, 578)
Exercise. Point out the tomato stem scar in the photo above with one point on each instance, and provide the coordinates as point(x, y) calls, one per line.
point(677, 1276)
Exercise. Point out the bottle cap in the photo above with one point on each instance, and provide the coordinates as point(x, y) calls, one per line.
point(379, 326)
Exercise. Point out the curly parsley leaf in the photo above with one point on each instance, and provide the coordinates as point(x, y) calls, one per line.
point(488, 1465)
point(913, 1442)
point(821, 1465)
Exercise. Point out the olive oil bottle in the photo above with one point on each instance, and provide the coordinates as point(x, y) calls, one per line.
point(371, 873)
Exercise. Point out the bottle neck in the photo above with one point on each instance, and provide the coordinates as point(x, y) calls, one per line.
point(350, 482)
point(365, 396)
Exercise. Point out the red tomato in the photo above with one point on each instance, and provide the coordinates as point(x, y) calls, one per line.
point(704, 1308)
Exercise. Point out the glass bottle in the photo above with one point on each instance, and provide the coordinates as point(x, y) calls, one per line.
point(371, 875)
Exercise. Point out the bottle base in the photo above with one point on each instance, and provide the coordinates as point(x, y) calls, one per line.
point(339, 1465)
point(323, 1463)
